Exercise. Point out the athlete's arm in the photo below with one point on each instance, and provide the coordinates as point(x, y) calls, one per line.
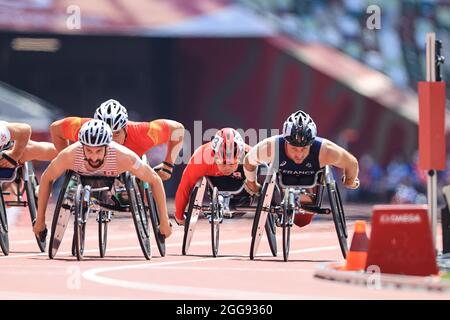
point(63, 162)
point(20, 133)
point(263, 152)
point(131, 162)
point(332, 154)
point(176, 136)
point(172, 133)
point(56, 132)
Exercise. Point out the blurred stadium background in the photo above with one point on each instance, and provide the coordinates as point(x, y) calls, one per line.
point(241, 63)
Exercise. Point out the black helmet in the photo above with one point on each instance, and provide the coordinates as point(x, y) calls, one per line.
point(299, 129)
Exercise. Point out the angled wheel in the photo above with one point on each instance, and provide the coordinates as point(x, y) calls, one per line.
point(338, 216)
point(264, 218)
point(139, 215)
point(215, 220)
point(152, 212)
point(80, 219)
point(31, 184)
point(193, 211)
point(102, 232)
point(61, 216)
point(4, 240)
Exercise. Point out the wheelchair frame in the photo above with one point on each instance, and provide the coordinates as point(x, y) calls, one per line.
point(291, 205)
point(25, 173)
point(83, 200)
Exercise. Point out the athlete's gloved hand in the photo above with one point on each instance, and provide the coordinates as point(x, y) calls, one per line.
point(252, 187)
point(351, 184)
point(164, 170)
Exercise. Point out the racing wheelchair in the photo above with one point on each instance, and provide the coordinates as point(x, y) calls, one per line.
point(83, 196)
point(291, 205)
point(25, 196)
point(221, 205)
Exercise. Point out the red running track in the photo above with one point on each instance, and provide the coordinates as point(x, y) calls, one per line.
point(125, 274)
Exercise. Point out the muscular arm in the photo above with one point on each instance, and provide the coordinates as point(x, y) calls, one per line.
point(176, 136)
point(263, 152)
point(20, 134)
point(332, 154)
point(56, 168)
point(57, 135)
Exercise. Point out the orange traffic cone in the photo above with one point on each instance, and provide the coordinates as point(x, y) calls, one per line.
point(357, 255)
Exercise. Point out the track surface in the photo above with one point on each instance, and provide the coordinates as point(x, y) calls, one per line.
point(125, 274)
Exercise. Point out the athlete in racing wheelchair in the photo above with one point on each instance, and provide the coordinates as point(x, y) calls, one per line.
point(214, 170)
point(97, 161)
point(300, 171)
point(17, 176)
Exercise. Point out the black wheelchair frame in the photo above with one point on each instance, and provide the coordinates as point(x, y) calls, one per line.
point(84, 199)
point(215, 211)
point(15, 176)
point(291, 205)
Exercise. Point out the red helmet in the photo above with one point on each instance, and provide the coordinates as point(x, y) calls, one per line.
point(228, 146)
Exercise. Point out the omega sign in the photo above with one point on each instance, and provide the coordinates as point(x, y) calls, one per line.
point(400, 218)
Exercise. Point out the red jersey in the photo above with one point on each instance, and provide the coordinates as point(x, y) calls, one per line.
point(141, 136)
point(201, 164)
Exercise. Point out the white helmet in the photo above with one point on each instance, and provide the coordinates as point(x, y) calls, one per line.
point(5, 135)
point(113, 113)
point(95, 133)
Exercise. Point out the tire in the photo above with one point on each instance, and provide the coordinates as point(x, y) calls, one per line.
point(186, 241)
point(215, 222)
point(80, 219)
point(154, 218)
point(102, 233)
point(338, 217)
point(57, 234)
point(269, 226)
point(4, 240)
point(288, 212)
point(30, 189)
point(138, 212)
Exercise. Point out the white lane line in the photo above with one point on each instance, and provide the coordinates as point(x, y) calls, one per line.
point(93, 275)
point(154, 247)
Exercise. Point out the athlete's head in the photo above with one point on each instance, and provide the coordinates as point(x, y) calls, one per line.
point(228, 147)
point(5, 135)
point(116, 116)
point(95, 136)
point(299, 131)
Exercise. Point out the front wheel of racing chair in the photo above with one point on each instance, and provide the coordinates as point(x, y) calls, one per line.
point(153, 213)
point(4, 240)
point(139, 214)
point(288, 216)
point(80, 219)
point(103, 219)
point(31, 184)
point(61, 216)
point(215, 219)
point(263, 217)
point(337, 210)
point(193, 211)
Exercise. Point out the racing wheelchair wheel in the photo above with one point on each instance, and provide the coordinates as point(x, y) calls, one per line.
point(31, 184)
point(215, 220)
point(61, 216)
point(338, 216)
point(4, 240)
point(80, 218)
point(139, 214)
